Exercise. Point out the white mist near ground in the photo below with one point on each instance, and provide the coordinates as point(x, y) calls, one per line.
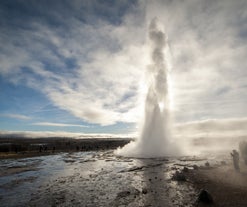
point(155, 138)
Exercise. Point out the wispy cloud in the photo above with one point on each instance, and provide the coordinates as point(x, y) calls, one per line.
point(92, 66)
point(80, 72)
point(16, 116)
point(59, 124)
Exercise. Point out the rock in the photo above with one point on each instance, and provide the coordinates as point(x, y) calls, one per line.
point(144, 191)
point(185, 169)
point(123, 194)
point(205, 197)
point(132, 169)
point(131, 191)
point(195, 167)
point(207, 164)
point(179, 176)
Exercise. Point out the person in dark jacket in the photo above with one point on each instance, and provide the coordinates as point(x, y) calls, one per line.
point(235, 158)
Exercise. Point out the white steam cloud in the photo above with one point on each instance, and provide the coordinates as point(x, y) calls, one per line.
point(155, 139)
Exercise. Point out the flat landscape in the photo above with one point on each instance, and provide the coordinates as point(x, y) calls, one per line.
point(99, 178)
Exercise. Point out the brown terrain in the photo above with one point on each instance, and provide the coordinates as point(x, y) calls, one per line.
point(227, 187)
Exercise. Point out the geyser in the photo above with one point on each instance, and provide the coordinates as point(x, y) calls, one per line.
point(155, 137)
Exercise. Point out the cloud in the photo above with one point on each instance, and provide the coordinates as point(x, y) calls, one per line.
point(59, 124)
point(91, 63)
point(213, 128)
point(58, 134)
point(208, 55)
point(16, 116)
point(88, 69)
point(210, 135)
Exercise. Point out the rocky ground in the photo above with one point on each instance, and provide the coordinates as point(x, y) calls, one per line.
point(99, 178)
point(227, 187)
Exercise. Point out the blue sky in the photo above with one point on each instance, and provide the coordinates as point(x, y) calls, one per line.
point(44, 46)
point(79, 65)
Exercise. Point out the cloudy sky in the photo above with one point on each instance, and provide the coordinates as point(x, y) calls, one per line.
point(79, 65)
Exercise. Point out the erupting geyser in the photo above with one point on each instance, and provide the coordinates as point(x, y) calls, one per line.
point(155, 138)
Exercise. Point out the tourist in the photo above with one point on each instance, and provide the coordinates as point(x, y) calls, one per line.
point(235, 158)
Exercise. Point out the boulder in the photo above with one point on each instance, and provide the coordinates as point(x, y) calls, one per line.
point(123, 194)
point(204, 197)
point(178, 176)
point(128, 192)
point(144, 191)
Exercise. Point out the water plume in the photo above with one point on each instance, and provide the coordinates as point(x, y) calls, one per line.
point(155, 138)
